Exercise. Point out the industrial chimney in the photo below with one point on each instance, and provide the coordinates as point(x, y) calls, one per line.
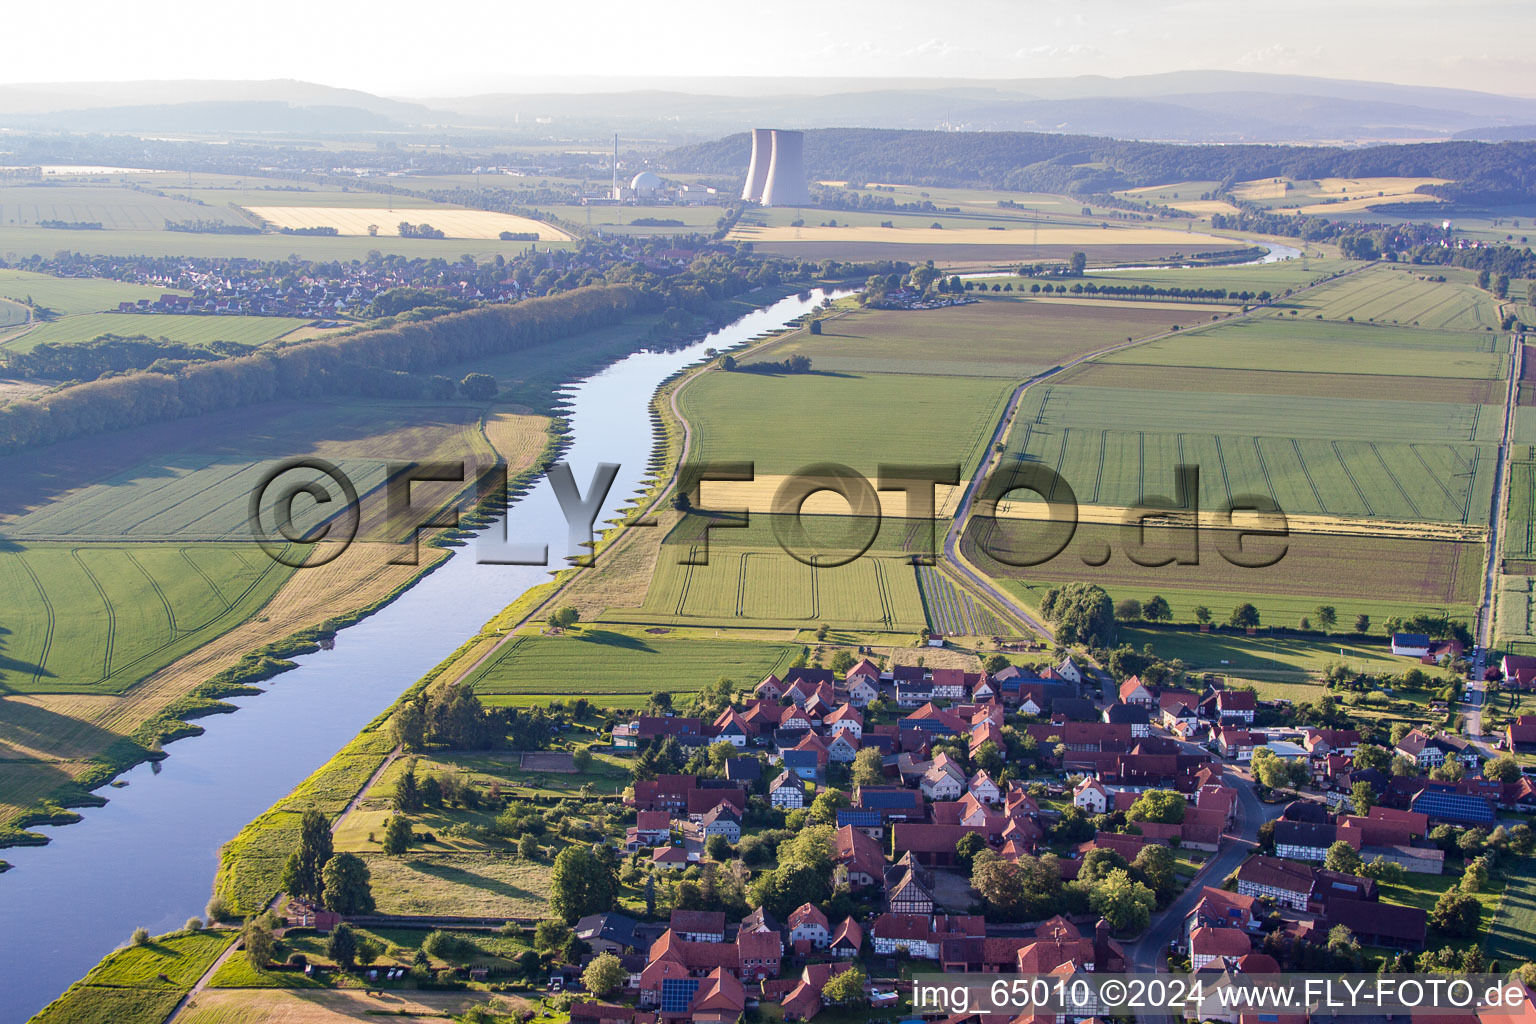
point(757, 171)
point(786, 170)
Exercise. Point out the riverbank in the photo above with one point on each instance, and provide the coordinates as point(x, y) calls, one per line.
point(176, 813)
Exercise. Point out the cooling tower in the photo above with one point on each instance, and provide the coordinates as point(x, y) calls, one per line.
point(757, 171)
point(786, 171)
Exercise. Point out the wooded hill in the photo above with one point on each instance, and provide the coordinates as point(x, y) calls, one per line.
point(1485, 173)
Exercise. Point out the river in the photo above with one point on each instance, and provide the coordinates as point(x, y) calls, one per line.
point(149, 856)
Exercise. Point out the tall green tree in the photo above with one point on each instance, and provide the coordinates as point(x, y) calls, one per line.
point(348, 885)
point(341, 946)
point(302, 876)
point(583, 882)
point(1122, 901)
point(397, 835)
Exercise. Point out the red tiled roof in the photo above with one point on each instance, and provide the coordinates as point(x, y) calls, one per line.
point(1211, 941)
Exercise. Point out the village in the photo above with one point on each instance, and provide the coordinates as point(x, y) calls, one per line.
point(1042, 820)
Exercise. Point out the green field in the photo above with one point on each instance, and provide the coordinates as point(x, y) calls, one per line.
point(785, 422)
point(995, 337)
point(170, 963)
point(1262, 656)
point(1429, 461)
point(1384, 294)
point(91, 1005)
point(188, 329)
point(1274, 278)
point(1275, 343)
point(769, 587)
point(114, 207)
point(596, 662)
point(70, 295)
point(138, 984)
point(1512, 928)
point(1520, 521)
point(198, 485)
point(750, 581)
point(99, 618)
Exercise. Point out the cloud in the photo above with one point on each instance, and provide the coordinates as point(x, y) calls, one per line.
point(1069, 52)
point(1280, 57)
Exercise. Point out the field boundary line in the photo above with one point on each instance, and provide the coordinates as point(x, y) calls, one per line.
point(106, 665)
point(971, 577)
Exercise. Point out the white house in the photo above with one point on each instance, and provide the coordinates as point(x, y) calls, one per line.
point(984, 789)
point(939, 784)
point(1069, 671)
point(808, 923)
point(1410, 645)
point(1091, 796)
point(842, 748)
point(845, 718)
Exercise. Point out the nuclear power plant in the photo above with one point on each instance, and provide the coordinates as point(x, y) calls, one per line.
point(776, 176)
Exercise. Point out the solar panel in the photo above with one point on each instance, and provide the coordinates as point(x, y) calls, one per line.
point(677, 993)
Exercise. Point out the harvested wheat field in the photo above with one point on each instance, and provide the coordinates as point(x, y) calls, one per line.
point(325, 1006)
point(455, 223)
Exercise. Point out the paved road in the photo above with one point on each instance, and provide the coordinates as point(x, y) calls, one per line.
point(213, 969)
point(1484, 636)
point(1149, 953)
point(970, 576)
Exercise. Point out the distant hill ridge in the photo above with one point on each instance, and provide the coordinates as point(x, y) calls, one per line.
point(1037, 161)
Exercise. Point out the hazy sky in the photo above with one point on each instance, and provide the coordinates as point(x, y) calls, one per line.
point(409, 48)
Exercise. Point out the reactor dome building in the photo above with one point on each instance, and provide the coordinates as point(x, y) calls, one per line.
point(776, 175)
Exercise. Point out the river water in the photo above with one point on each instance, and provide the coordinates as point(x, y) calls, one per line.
point(149, 856)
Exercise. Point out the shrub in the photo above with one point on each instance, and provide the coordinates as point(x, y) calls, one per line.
point(140, 937)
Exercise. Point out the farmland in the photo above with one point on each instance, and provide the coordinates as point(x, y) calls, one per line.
point(995, 337)
point(69, 295)
point(1512, 931)
point(955, 612)
point(1329, 346)
point(99, 618)
point(199, 485)
point(1356, 573)
point(768, 587)
point(454, 222)
point(39, 241)
point(997, 242)
point(1311, 456)
point(1386, 294)
point(595, 662)
point(191, 330)
point(269, 1006)
point(784, 422)
point(115, 208)
point(1332, 195)
point(1268, 657)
